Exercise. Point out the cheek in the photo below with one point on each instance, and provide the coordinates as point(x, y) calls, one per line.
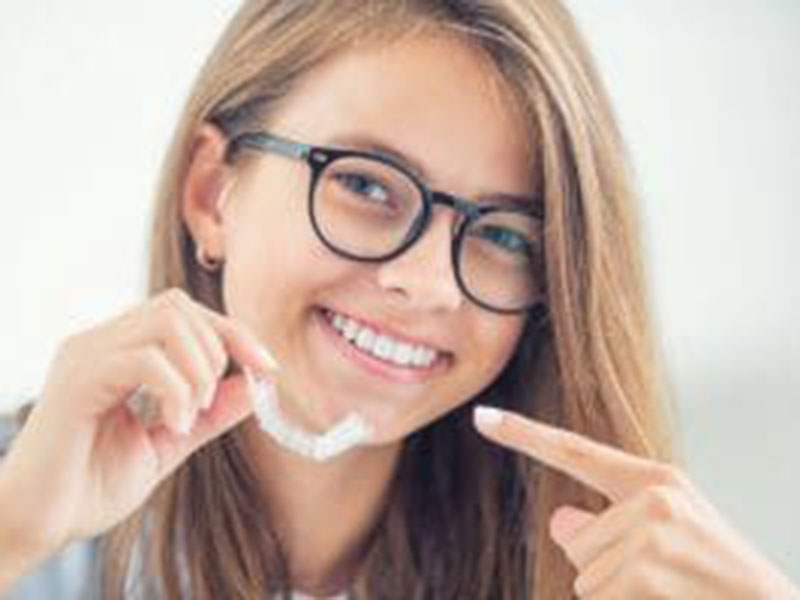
point(489, 351)
point(274, 263)
point(497, 336)
point(484, 355)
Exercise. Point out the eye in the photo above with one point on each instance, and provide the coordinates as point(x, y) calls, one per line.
point(364, 185)
point(506, 239)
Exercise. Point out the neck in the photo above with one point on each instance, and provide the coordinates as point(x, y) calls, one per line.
point(323, 513)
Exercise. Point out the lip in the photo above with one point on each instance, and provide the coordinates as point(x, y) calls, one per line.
point(375, 366)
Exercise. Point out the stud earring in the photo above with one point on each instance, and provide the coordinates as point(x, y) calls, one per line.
point(210, 264)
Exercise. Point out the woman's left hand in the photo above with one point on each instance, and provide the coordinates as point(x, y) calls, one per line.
point(660, 538)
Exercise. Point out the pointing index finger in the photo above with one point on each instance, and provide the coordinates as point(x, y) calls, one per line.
point(612, 472)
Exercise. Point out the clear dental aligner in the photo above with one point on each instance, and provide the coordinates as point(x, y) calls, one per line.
point(347, 433)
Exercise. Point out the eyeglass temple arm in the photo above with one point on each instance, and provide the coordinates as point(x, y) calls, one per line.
point(266, 142)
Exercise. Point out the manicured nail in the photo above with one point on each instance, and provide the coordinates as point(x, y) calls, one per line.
point(207, 397)
point(487, 417)
point(185, 422)
point(267, 357)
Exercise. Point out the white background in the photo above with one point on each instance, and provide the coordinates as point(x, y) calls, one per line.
point(708, 94)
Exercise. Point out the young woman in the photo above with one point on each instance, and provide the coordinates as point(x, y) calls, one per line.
point(445, 176)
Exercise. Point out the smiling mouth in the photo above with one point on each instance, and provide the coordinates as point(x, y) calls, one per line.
point(382, 347)
point(403, 363)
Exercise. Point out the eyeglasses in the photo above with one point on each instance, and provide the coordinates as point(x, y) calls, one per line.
point(367, 207)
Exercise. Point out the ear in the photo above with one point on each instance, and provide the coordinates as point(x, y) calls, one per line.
point(204, 189)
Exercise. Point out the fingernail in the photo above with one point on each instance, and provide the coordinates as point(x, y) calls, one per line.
point(267, 357)
point(185, 422)
point(207, 397)
point(487, 416)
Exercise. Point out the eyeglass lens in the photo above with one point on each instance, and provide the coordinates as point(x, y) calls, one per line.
point(367, 208)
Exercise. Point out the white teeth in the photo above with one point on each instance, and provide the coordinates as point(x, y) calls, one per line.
point(350, 329)
point(338, 321)
point(423, 356)
point(403, 354)
point(365, 339)
point(382, 346)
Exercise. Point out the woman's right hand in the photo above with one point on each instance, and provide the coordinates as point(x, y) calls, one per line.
point(84, 460)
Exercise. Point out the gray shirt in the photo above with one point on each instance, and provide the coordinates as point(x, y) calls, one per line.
point(69, 575)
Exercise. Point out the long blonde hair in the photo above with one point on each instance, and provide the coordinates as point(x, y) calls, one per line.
point(464, 519)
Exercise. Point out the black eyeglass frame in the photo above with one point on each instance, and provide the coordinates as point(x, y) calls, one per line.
point(319, 158)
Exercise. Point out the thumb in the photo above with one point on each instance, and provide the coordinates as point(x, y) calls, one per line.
point(232, 404)
point(567, 521)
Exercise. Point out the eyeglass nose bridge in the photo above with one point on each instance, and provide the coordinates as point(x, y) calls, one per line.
point(470, 210)
point(467, 209)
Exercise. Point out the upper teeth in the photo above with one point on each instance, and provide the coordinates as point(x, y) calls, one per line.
point(381, 345)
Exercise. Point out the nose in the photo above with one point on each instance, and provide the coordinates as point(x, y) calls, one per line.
point(423, 275)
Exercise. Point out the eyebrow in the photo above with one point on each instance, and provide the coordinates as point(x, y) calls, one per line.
point(371, 144)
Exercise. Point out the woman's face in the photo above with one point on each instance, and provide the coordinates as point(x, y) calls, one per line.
point(431, 99)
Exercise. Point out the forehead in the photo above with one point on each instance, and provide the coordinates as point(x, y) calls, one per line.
point(432, 97)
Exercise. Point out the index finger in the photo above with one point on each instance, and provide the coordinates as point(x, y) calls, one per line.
point(610, 471)
point(242, 345)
